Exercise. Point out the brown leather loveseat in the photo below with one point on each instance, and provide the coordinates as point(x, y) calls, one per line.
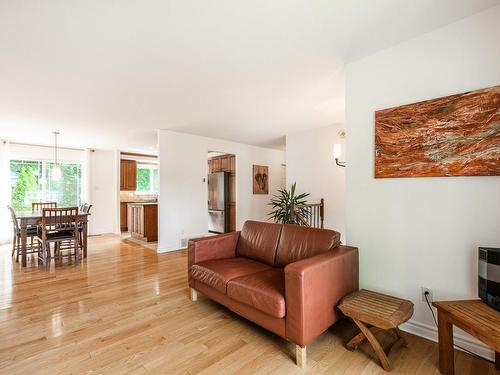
point(285, 278)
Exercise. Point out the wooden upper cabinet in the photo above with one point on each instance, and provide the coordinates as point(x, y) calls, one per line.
point(232, 163)
point(132, 175)
point(224, 163)
point(122, 175)
point(128, 175)
point(216, 165)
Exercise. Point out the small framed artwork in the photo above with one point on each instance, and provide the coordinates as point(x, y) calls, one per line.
point(260, 179)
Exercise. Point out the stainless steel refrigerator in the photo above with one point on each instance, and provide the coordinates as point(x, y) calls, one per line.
point(218, 192)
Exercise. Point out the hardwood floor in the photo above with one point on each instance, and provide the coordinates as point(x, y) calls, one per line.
point(126, 309)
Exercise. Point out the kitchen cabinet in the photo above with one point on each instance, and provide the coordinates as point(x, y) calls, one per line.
point(128, 175)
point(224, 162)
point(123, 216)
point(232, 164)
point(142, 221)
point(216, 165)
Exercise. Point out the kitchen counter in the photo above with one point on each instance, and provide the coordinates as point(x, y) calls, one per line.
point(124, 207)
point(142, 220)
point(132, 201)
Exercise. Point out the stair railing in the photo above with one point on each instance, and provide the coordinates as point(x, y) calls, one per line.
point(310, 215)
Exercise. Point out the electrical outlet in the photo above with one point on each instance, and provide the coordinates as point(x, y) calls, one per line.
point(427, 291)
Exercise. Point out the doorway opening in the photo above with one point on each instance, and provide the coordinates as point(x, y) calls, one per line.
point(221, 184)
point(139, 175)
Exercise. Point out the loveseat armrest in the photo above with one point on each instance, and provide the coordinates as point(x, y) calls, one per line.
point(211, 247)
point(313, 289)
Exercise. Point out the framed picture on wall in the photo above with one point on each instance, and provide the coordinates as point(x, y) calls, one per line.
point(456, 135)
point(260, 179)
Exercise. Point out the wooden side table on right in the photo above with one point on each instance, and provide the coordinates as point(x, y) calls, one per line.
point(474, 317)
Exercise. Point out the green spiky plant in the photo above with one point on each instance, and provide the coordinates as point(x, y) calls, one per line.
point(283, 205)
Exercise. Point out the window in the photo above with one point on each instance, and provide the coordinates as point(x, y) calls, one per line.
point(31, 182)
point(147, 178)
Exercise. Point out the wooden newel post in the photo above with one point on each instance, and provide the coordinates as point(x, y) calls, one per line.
point(322, 212)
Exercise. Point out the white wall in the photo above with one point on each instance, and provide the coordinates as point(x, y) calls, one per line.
point(103, 174)
point(183, 194)
point(310, 163)
point(5, 218)
point(417, 232)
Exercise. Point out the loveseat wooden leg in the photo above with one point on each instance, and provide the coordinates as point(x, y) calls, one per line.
point(194, 294)
point(300, 356)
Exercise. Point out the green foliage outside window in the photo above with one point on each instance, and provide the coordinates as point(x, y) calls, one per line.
point(31, 182)
point(143, 179)
point(147, 179)
point(25, 185)
point(69, 186)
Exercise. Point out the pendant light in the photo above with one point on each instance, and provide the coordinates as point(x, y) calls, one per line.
point(56, 170)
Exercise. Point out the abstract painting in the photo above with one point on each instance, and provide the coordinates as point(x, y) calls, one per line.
point(457, 135)
point(260, 179)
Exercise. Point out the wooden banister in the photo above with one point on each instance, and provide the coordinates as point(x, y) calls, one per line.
point(311, 214)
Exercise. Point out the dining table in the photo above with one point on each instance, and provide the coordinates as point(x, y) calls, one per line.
point(34, 218)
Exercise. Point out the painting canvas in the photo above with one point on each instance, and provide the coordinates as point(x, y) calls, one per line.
point(260, 179)
point(457, 135)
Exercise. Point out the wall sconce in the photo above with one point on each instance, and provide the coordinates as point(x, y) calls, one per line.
point(337, 151)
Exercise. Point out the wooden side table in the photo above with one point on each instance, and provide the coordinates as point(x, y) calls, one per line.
point(474, 317)
point(373, 312)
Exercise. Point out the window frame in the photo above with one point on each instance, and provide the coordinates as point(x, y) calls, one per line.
point(151, 168)
point(44, 166)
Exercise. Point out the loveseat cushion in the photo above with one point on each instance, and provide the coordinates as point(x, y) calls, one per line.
point(263, 290)
point(216, 273)
point(297, 243)
point(259, 241)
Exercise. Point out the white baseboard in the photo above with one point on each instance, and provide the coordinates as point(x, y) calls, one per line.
point(166, 249)
point(430, 333)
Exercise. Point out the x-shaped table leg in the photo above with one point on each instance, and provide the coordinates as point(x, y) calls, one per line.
point(379, 351)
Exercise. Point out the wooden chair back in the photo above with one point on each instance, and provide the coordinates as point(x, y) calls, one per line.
point(85, 207)
point(39, 206)
point(14, 219)
point(54, 219)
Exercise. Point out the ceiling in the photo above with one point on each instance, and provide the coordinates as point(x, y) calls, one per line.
point(109, 73)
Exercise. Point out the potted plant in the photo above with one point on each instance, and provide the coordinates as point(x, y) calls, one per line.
point(286, 207)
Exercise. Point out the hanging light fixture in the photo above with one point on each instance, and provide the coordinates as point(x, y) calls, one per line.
point(56, 170)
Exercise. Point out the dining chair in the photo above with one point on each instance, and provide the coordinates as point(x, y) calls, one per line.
point(86, 209)
point(38, 206)
point(58, 225)
point(16, 239)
